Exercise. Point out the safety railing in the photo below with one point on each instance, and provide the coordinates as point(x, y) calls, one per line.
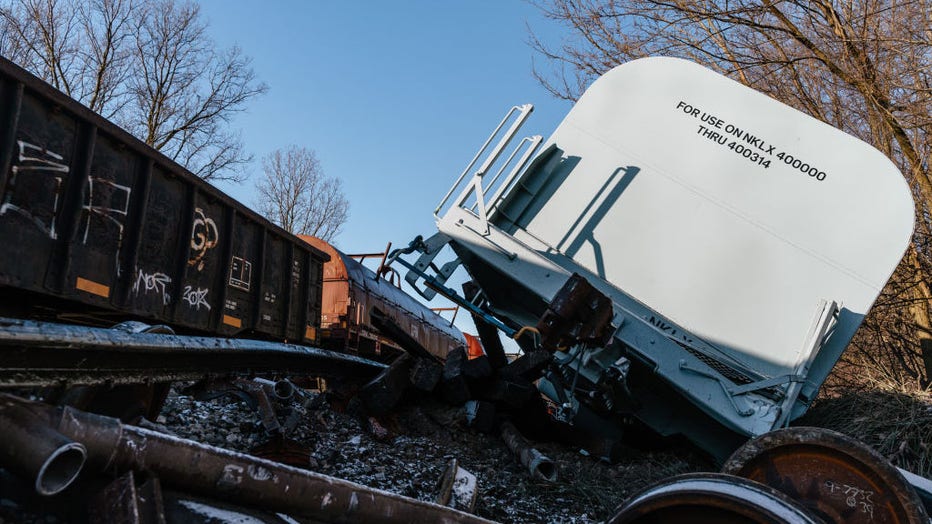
point(475, 190)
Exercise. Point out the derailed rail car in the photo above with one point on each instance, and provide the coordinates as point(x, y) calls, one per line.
point(735, 243)
point(366, 314)
point(97, 224)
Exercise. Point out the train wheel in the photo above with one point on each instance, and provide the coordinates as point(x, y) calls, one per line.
point(838, 478)
point(707, 498)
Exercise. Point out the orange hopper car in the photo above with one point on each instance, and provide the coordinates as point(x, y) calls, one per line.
point(368, 315)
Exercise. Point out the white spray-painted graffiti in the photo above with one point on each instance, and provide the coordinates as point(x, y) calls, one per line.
point(261, 474)
point(232, 475)
point(240, 273)
point(37, 161)
point(195, 297)
point(157, 283)
point(204, 237)
point(114, 215)
point(854, 496)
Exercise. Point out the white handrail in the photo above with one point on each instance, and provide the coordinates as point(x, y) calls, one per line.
point(523, 112)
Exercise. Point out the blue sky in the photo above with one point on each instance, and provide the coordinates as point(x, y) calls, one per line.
point(395, 97)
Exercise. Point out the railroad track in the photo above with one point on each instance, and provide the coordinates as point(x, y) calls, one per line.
point(40, 354)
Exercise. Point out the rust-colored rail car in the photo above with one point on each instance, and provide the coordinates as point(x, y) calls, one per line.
point(93, 222)
point(366, 314)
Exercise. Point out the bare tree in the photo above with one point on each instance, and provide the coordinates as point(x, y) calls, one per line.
point(149, 65)
point(862, 66)
point(296, 195)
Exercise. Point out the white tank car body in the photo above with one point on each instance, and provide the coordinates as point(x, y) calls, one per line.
point(740, 240)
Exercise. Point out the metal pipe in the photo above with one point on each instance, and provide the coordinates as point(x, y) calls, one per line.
point(536, 462)
point(30, 448)
point(216, 472)
point(284, 390)
point(281, 389)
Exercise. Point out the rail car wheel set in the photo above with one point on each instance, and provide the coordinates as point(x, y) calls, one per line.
point(676, 256)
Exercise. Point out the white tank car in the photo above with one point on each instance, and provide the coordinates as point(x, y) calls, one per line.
point(741, 243)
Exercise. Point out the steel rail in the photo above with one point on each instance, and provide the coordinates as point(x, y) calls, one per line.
point(36, 353)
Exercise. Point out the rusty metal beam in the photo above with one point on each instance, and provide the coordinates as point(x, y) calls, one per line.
point(226, 475)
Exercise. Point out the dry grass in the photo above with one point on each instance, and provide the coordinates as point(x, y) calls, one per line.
point(895, 421)
point(603, 488)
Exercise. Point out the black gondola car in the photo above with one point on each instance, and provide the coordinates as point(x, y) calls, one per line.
point(100, 225)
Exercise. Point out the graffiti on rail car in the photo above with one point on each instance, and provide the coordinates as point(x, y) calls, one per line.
point(157, 283)
point(195, 297)
point(108, 201)
point(204, 237)
point(37, 162)
point(240, 273)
